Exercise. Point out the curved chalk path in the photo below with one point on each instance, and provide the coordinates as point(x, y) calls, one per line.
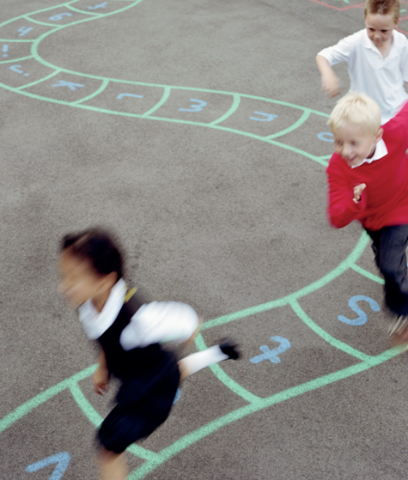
point(23, 71)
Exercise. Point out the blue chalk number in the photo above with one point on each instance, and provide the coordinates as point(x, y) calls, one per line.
point(272, 355)
point(362, 316)
point(194, 108)
point(325, 137)
point(61, 459)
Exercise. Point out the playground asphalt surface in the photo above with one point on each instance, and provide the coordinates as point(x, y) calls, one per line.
point(214, 218)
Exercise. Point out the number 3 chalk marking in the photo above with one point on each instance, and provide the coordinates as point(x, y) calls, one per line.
point(194, 108)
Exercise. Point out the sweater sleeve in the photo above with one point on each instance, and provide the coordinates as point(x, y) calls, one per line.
point(157, 322)
point(342, 210)
point(399, 124)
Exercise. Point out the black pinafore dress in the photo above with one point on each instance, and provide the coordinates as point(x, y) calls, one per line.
point(150, 377)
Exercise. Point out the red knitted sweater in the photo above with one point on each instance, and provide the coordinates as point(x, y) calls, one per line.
point(384, 202)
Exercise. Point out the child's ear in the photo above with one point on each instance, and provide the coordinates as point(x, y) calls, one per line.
point(379, 135)
point(109, 281)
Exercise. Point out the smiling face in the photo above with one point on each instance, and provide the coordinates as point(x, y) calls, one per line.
point(354, 143)
point(379, 28)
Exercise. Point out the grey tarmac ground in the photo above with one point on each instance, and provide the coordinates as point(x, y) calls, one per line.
point(220, 205)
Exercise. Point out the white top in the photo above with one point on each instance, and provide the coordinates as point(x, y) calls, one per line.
point(380, 78)
point(380, 152)
point(153, 322)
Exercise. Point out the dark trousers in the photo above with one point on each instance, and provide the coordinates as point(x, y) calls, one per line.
point(389, 245)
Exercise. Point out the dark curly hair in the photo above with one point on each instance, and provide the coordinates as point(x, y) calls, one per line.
point(99, 247)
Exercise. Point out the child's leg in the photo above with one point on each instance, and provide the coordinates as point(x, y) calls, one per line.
point(112, 465)
point(389, 245)
point(195, 362)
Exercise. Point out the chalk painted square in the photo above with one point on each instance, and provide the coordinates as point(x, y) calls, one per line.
point(262, 118)
point(127, 98)
point(356, 317)
point(66, 87)
point(303, 355)
point(23, 29)
point(23, 72)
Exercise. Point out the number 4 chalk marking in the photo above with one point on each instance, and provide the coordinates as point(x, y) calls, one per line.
point(62, 459)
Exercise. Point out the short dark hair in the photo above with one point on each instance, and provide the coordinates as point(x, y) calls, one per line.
point(383, 7)
point(99, 247)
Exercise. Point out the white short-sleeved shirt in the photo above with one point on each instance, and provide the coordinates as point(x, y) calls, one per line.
point(380, 78)
point(153, 322)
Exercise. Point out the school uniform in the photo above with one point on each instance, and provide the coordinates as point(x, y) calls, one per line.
point(129, 334)
point(380, 78)
point(383, 209)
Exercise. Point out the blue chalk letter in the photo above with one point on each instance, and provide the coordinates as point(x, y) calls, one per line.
point(72, 86)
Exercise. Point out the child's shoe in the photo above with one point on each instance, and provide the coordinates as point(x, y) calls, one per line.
point(229, 348)
point(398, 331)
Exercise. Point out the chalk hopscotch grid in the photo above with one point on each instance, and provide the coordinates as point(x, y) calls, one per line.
point(154, 460)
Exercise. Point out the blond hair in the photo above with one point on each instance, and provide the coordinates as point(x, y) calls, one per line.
point(383, 7)
point(358, 109)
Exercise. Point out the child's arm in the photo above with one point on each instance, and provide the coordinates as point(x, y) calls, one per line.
point(101, 376)
point(330, 82)
point(326, 58)
point(345, 202)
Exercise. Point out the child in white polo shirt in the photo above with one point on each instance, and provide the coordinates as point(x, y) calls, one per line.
point(377, 59)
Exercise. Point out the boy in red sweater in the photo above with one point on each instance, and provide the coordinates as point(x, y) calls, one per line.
point(368, 182)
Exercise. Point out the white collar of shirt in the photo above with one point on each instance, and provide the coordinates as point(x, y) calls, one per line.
point(370, 45)
point(380, 152)
point(95, 323)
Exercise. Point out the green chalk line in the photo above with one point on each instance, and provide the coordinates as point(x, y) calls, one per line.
point(97, 92)
point(236, 99)
point(43, 79)
point(305, 115)
point(326, 336)
point(368, 275)
point(84, 12)
point(341, 268)
point(15, 60)
point(93, 416)
point(255, 403)
point(163, 100)
point(39, 22)
point(226, 379)
point(189, 439)
point(39, 399)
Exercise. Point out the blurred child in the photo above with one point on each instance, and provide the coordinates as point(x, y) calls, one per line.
point(368, 182)
point(129, 332)
point(377, 59)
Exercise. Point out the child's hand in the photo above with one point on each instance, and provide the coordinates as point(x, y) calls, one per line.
point(330, 84)
point(101, 380)
point(357, 191)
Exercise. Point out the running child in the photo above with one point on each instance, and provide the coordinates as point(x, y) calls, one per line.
point(128, 332)
point(377, 59)
point(368, 182)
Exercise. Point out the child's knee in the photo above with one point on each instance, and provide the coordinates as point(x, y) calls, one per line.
point(108, 456)
point(184, 373)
